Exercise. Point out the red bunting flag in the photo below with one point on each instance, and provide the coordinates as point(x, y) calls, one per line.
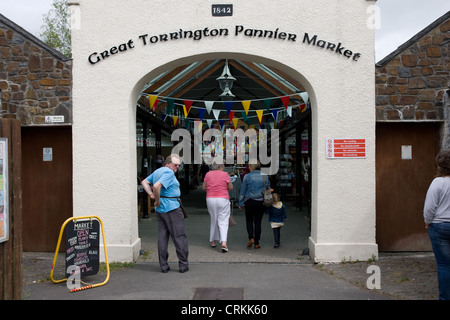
point(285, 101)
point(188, 104)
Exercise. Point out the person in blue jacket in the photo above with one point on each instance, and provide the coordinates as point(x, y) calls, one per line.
point(277, 217)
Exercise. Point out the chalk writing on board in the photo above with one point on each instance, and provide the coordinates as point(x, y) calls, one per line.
point(82, 246)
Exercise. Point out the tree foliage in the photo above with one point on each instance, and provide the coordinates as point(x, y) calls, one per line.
point(56, 27)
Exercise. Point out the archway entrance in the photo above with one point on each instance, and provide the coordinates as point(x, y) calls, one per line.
point(258, 97)
point(114, 62)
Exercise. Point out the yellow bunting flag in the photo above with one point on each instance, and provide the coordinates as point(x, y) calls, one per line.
point(185, 111)
point(260, 114)
point(235, 121)
point(175, 120)
point(152, 99)
point(246, 105)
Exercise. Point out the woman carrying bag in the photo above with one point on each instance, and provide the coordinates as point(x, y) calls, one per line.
point(251, 196)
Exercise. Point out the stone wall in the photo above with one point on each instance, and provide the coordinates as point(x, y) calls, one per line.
point(35, 80)
point(412, 81)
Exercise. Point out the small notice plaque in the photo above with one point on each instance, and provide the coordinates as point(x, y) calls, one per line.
point(345, 148)
point(222, 10)
point(82, 246)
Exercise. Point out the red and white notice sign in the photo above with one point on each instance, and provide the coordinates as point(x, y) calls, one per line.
point(345, 148)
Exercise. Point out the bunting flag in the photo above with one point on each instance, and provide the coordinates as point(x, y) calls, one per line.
point(246, 105)
point(216, 114)
point(175, 121)
point(304, 96)
point(201, 113)
point(188, 104)
point(235, 121)
point(230, 116)
point(267, 103)
point(187, 123)
point(170, 105)
point(285, 101)
point(275, 114)
point(289, 111)
point(244, 116)
point(152, 99)
point(260, 114)
point(228, 106)
point(155, 104)
point(199, 125)
point(221, 122)
point(208, 106)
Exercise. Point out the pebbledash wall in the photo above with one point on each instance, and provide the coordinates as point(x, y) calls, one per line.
point(327, 45)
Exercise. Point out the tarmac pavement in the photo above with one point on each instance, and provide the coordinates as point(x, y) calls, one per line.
point(265, 274)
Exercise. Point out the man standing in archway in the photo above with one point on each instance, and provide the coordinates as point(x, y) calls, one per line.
point(170, 217)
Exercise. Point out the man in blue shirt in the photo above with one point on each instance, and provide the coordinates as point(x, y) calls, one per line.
point(170, 217)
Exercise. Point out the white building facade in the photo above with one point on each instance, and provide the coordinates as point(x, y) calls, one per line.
point(327, 45)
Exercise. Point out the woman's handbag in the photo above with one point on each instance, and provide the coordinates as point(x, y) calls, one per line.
point(231, 221)
point(268, 198)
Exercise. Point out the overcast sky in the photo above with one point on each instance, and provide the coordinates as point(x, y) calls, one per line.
point(399, 19)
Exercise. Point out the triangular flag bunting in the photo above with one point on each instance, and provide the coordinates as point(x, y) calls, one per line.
point(260, 114)
point(199, 125)
point(302, 107)
point(246, 105)
point(209, 105)
point(228, 105)
point(275, 114)
point(187, 123)
point(170, 104)
point(163, 116)
point(289, 111)
point(155, 104)
point(152, 99)
point(185, 111)
point(175, 120)
point(285, 101)
point(209, 122)
point(230, 116)
point(267, 103)
point(244, 117)
point(221, 122)
point(235, 121)
point(201, 113)
point(304, 96)
point(188, 104)
point(216, 114)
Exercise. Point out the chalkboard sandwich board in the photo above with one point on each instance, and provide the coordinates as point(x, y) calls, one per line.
point(82, 246)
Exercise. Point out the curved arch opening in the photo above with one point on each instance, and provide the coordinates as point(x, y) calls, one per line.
point(265, 95)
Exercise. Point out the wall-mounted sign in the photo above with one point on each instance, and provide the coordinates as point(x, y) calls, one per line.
point(406, 152)
point(334, 47)
point(222, 10)
point(54, 119)
point(4, 195)
point(47, 154)
point(345, 148)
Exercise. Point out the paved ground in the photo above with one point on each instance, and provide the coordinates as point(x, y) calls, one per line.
point(266, 273)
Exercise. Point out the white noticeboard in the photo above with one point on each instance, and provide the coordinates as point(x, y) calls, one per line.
point(406, 152)
point(4, 195)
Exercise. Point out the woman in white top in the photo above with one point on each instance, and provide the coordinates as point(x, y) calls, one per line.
point(436, 214)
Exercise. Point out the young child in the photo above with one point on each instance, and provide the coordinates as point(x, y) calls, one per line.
point(277, 216)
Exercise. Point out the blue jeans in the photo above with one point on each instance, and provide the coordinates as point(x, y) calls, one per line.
point(440, 240)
